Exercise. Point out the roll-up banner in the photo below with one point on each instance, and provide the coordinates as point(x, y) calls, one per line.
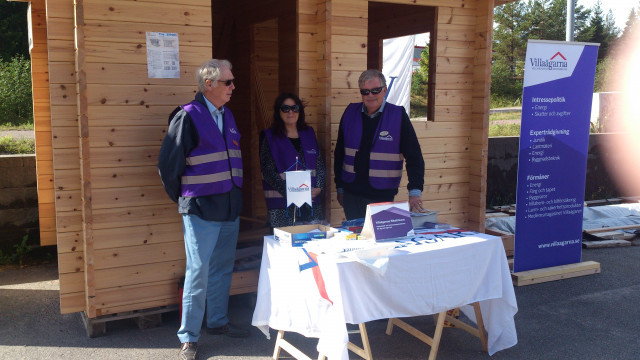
point(552, 158)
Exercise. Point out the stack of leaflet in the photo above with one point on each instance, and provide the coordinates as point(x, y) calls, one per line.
point(426, 219)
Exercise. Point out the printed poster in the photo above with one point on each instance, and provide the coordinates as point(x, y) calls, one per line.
point(554, 139)
point(163, 55)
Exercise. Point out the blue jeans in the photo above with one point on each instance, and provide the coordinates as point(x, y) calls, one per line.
point(211, 248)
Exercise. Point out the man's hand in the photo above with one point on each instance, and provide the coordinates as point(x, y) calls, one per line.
point(315, 192)
point(341, 199)
point(415, 204)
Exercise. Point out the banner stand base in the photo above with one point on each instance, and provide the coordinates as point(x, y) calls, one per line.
point(555, 273)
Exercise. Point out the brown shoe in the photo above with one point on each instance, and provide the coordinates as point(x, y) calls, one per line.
point(229, 330)
point(188, 351)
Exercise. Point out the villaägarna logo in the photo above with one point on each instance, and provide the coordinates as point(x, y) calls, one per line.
point(233, 131)
point(301, 188)
point(385, 136)
point(311, 151)
point(556, 62)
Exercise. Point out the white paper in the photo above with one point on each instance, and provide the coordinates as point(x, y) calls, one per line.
point(163, 55)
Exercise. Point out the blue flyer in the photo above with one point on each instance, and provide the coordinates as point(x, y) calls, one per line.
point(552, 160)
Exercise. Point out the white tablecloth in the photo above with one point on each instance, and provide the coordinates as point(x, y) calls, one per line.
point(421, 278)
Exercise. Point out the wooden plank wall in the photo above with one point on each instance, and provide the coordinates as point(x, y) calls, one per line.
point(66, 166)
point(237, 26)
point(127, 253)
point(42, 120)
point(446, 142)
point(314, 76)
point(127, 119)
point(449, 176)
point(265, 69)
point(480, 116)
point(136, 249)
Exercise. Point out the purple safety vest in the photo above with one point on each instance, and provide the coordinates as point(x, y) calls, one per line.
point(284, 154)
point(215, 164)
point(385, 162)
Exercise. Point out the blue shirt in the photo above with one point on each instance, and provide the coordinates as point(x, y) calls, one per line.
point(216, 113)
point(364, 109)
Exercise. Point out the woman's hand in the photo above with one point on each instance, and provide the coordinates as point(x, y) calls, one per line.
point(315, 192)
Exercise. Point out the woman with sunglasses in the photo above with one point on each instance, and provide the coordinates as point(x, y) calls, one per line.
point(288, 138)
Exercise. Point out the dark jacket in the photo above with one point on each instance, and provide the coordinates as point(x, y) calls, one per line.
point(409, 148)
point(181, 138)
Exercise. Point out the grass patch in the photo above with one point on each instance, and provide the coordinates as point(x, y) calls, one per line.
point(505, 116)
point(9, 145)
point(7, 127)
point(504, 130)
point(417, 106)
point(497, 101)
point(19, 255)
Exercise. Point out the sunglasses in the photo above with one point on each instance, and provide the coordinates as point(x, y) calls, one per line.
point(227, 82)
point(286, 108)
point(374, 91)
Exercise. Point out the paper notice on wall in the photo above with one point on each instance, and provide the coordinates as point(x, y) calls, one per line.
point(163, 55)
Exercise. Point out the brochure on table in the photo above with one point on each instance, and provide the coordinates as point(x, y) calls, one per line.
point(385, 221)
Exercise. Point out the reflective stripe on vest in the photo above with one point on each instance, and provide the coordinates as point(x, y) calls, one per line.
point(201, 159)
point(215, 164)
point(385, 160)
point(284, 155)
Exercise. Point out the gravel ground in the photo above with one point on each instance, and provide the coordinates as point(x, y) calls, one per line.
point(588, 317)
point(18, 134)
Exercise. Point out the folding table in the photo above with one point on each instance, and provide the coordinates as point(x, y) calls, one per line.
point(316, 295)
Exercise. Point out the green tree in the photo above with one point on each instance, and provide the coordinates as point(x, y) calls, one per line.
point(509, 47)
point(15, 92)
point(420, 78)
point(13, 30)
point(601, 30)
point(535, 20)
point(557, 24)
point(517, 22)
point(631, 25)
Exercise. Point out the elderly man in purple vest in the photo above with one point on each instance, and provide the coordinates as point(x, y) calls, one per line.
point(200, 165)
point(368, 160)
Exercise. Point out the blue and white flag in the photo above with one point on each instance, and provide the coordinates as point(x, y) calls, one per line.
point(298, 187)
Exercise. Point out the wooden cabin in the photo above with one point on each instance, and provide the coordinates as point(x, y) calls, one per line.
point(100, 120)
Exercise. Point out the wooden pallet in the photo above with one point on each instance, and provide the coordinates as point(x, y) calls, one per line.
point(600, 202)
point(615, 236)
point(242, 282)
point(630, 199)
point(144, 319)
point(495, 214)
point(555, 273)
point(507, 239)
point(595, 244)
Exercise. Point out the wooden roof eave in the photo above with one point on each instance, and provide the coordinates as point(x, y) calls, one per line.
point(502, 2)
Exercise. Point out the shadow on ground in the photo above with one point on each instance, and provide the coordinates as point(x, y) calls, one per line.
point(590, 317)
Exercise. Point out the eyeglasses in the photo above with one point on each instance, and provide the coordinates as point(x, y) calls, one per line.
point(286, 108)
point(227, 82)
point(374, 91)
